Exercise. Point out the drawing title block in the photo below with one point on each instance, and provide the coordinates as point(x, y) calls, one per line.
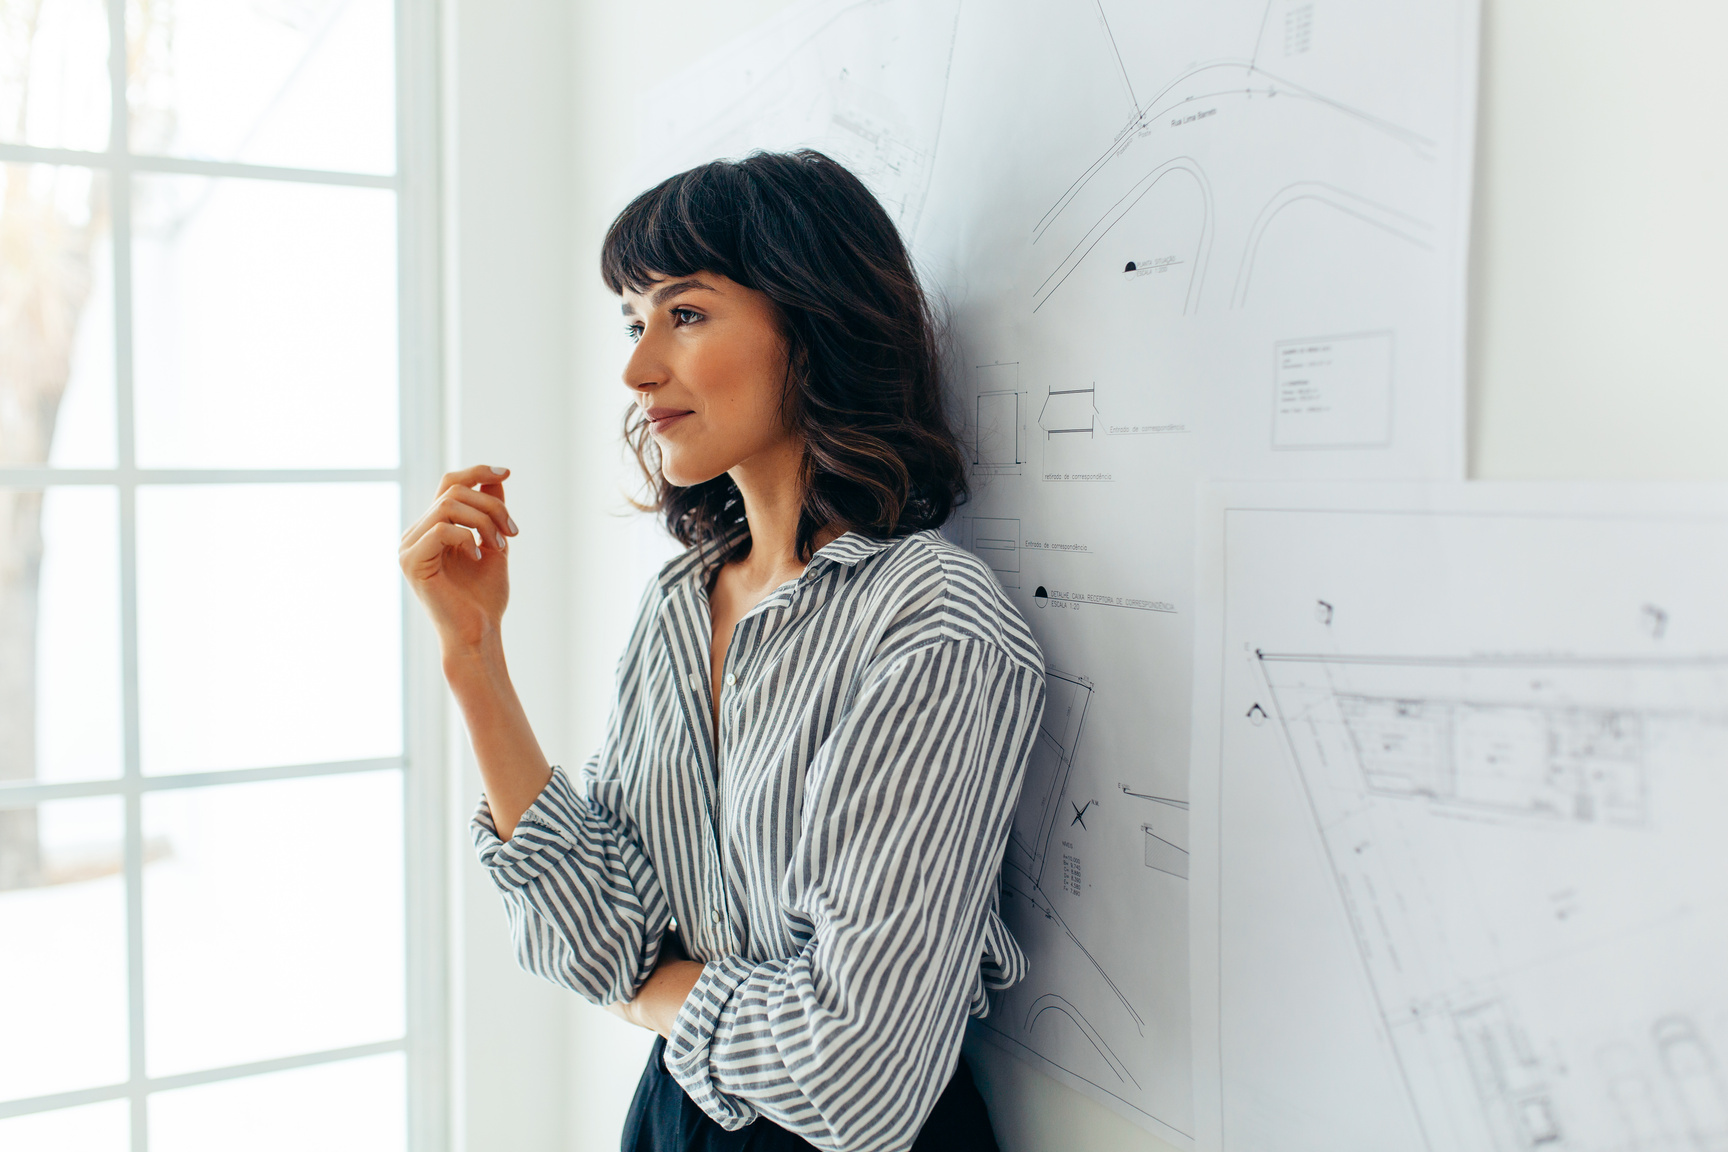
point(1334, 392)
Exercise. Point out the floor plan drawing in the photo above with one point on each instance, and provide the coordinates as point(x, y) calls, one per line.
point(1400, 758)
point(1496, 829)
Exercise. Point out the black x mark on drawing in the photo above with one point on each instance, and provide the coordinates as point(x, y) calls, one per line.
point(1080, 813)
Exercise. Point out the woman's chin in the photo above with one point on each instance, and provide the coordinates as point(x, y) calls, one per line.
point(686, 477)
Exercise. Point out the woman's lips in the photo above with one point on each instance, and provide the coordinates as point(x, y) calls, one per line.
point(660, 419)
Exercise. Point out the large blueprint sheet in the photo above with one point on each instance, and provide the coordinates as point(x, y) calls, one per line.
point(1459, 873)
point(1214, 237)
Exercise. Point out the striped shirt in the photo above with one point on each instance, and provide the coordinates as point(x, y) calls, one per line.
point(832, 858)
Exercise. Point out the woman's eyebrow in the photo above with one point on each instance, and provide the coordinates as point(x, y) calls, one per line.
point(667, 291)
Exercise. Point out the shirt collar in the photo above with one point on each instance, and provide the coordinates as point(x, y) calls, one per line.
point(699, 560)
point(846, 550)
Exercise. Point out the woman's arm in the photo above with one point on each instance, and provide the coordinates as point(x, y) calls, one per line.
point(585, 907)
point(657, 1003)
point(513, 769)
point(464, 584)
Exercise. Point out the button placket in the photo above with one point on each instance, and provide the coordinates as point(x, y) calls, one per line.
point(737, 654)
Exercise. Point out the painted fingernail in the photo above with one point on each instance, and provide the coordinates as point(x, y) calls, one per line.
point(497, 471)
point(501, 544)
point(510, 522)
point(477, 553)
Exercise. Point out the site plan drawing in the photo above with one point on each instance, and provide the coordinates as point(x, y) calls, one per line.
point(1206, 238)
point(1459, 874)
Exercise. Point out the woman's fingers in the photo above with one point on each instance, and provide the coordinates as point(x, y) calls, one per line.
point(489, 498)
point(468, 477)
point(450, 508)
point(425, 556)
point(485, 514)
point(488, 505)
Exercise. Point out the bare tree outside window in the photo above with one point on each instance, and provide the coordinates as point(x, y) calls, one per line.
point(50, 218)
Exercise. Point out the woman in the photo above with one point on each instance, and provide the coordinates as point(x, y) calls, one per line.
point(784, 857)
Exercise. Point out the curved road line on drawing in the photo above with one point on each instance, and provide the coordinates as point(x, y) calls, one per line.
point(1384, 217)
point(1119, 211)
point(1050, 1001)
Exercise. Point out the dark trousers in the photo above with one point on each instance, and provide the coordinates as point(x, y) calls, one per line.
point(664, 1119)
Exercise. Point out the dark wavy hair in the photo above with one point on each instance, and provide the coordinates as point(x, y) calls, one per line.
point(863, 383)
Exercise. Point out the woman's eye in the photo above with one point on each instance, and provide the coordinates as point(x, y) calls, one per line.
point(686, 316)
point(634, 331)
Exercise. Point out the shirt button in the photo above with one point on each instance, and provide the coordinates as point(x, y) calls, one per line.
point(715, 915)
point(731, 679)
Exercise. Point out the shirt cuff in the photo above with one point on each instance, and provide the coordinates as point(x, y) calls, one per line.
point(689, 1051)
point(542, 835)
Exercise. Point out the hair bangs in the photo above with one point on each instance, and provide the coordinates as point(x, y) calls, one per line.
point(686, 224)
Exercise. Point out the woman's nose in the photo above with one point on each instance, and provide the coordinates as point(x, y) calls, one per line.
point(643, 370)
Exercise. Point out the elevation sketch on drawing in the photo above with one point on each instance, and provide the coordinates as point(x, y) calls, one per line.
point(1479, 821)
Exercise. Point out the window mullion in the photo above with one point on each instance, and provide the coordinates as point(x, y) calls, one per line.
point(420, 400)
point(120, 234)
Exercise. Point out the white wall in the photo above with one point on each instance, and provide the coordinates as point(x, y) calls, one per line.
point(1598, 298)
point(508, 187)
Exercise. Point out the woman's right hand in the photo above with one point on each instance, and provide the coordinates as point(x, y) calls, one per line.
point(463, 585)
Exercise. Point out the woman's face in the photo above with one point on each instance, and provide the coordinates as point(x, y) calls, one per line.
point(709, 369)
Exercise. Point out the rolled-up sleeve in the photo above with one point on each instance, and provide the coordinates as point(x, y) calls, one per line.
point(586, 909)
point(850, 1041)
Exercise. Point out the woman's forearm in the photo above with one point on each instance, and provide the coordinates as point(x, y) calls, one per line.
point(513, 769)
point(661, 997)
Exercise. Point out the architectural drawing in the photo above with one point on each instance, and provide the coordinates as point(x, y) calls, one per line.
point(1398, 758)
point(1505, 814)
point(1213, 237)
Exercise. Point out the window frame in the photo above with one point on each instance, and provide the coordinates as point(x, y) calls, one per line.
point(423, 762)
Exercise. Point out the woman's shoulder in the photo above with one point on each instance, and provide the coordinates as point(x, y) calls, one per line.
point(934, 589)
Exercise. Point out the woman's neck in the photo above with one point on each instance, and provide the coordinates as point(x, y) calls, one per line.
point(771, 484)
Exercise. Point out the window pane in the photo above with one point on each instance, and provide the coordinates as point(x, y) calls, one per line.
point(268, 625)
point(54, 74)
point(59, 634)
point(299, 83)
point(101, 1127)
point(57, 326)
point(273, 926)
point(352, 1106)
point(62, 948)
point(265, 324)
